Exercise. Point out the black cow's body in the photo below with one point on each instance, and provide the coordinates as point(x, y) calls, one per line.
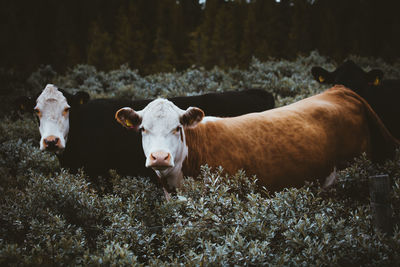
point(94, 140)
point(382, 95)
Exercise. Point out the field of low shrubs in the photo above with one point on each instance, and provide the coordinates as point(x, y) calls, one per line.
point(49, 216)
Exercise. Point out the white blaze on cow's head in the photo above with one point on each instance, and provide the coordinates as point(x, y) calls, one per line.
point(162, 126)
point(52, 109)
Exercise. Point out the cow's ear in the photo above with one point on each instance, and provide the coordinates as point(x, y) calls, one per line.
point(322, 75)
point(191, 117)
point(375, 77)
point(25, 104)
point(128, 118)
point(80, 98)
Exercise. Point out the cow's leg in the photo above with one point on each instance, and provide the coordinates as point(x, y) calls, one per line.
point(330, 179)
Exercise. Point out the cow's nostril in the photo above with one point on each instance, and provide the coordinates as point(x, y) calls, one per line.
point(50, 142)
point(160, 160)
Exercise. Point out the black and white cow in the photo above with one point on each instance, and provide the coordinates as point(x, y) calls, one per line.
point(52, 107)
point(382, 95)
point(88, 136)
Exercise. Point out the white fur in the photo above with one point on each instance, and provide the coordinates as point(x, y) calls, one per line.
point(210, 118)
point(51, 104)
point(160, 118)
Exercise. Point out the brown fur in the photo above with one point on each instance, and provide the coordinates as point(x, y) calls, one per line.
point(193, 115)
point(288, 145)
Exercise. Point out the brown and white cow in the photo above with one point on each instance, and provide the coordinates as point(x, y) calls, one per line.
point(283, 147)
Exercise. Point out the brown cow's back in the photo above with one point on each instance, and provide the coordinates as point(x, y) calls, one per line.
point(287, 145)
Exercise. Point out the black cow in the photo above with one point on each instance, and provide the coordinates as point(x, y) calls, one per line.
point(94, 137)
point(382, 95)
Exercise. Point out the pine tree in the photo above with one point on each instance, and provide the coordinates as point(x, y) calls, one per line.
point(223, 41)
point(123, 39)
point(74, 55)
point(202, 37)
point(190, 11)
point(267, 28)
point(301, 30)
point(328, 28)
point(99, 49)
point(249, 41)
point(138, 42)
point(164, 54)
point(129, 43)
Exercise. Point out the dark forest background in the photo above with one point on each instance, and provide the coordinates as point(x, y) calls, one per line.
point(162, 35)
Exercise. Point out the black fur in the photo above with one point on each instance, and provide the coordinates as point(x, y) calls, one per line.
point(382, 97)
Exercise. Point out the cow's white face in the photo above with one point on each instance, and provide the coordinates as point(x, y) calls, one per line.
point(52, 109)
point(163, 137)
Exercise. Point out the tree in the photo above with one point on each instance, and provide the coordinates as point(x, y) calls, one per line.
point(164, 54)
point(249, 41)
point(129, 44)
point(301, 33)
point(99, 49)
point(201, 38)
point(223, 41)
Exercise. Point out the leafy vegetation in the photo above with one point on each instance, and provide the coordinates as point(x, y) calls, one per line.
point(49, 216)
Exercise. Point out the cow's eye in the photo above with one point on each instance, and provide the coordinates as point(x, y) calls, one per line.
point(65, 111)
point(37, 111)
point(176, 130)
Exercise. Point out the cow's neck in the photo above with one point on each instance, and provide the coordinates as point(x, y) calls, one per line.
point(171, 180)
point(196, 152)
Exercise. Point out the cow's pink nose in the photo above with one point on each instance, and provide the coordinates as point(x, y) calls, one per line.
point(160, 159)
point(52, 143)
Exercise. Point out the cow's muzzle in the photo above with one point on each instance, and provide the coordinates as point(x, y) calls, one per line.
point(160, 160)
point(52, 143)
